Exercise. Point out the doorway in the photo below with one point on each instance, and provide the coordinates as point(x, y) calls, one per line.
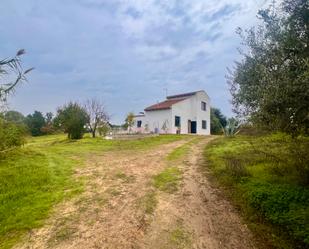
point(192, 127)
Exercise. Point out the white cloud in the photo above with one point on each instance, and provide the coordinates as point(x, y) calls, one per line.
point(126, 51)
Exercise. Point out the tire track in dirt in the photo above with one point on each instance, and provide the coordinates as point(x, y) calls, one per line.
point(197, 216)
point(106, 215)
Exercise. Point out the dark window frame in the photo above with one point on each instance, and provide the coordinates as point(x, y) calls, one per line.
point(204, 106)
point(204, 124)
point(177, 121)
point(139, 123)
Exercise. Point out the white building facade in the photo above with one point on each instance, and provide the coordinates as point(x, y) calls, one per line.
point(187, 113)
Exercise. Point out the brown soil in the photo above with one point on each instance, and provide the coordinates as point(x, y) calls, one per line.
point(109, 213)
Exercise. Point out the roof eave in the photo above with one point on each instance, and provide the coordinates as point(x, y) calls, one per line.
point(156, 109)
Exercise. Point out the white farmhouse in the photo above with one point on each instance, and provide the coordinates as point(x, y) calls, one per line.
point(187, 113)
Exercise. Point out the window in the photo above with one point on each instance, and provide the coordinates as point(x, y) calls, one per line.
point(139, 123)
point(203, 105)
point(204, 124)
point(177, 121)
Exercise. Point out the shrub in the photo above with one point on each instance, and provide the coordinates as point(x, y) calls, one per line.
point(73, 119)
point(11, 135)
point(282, 205)
point(35, 122)
point(267, 176)
point(14, 117)
point(299, 153)
point(48, 129)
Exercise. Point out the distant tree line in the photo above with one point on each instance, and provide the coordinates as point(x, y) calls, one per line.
point(73, 118)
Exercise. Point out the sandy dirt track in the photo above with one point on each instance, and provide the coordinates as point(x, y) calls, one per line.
point(108, 213)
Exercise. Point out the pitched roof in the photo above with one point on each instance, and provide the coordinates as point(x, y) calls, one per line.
point(183, 95)
point(164, 104)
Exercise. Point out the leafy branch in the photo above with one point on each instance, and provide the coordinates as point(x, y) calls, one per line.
point(12, 66)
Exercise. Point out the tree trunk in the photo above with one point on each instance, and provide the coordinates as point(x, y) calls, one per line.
point(93, 133)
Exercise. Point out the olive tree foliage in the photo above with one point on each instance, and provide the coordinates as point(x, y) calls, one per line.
point(11, 74)
point(72, 118)
point(270, 85)
point(97, 115)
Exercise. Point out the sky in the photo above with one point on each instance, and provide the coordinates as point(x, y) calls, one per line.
point(126, 53)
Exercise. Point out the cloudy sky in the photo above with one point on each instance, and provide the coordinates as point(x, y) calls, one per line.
point(124, 52)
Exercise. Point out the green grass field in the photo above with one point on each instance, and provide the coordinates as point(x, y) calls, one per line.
point(267, 178)
point(36, 177)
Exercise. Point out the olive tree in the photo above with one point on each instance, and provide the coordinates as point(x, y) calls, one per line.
point(269, 85)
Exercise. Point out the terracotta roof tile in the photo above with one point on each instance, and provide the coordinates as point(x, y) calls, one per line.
point(164, 104)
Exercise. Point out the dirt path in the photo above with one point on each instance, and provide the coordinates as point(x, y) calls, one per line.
point(197, 216)
point(111, 212)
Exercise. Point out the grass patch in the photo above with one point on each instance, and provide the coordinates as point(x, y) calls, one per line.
point(167, 180)
point(30, 183)
point(180, 152)
point(179, 238)
point(266, 177)
point(36, 177)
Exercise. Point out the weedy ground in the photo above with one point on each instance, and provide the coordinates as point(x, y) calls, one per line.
point(267, 177)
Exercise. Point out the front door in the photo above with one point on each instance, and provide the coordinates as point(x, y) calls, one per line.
point(193, 126)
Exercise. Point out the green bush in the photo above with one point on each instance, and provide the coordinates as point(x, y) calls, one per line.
point(11, 135)
point(73, 119)
point(35, 122)
point(282, 205)
point(267, 176)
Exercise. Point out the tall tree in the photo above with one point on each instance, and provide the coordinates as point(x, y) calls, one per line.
point(97, 115)
point(270, 85)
